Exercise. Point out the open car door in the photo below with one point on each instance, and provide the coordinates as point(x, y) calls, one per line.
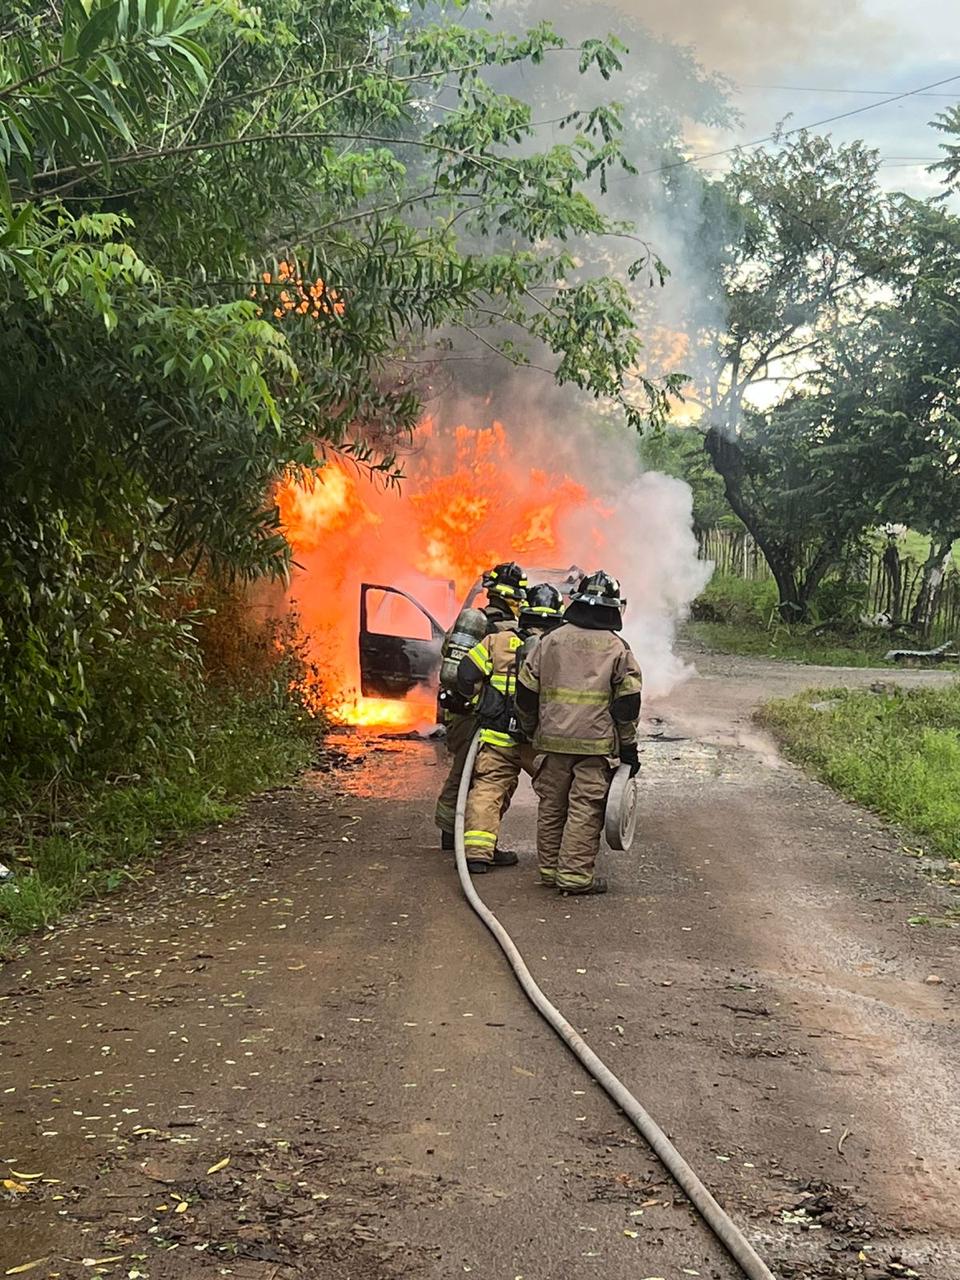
point(399, 643)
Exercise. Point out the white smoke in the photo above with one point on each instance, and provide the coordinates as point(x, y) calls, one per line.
point(637, 526)
point(650, 546)
point(660, 575)
point(743, 37)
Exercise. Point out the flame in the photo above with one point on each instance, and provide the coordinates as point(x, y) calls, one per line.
point(469, 501)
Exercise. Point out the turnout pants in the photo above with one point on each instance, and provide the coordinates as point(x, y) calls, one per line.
point(460, 731)
point(495, 777)
point(573, 796)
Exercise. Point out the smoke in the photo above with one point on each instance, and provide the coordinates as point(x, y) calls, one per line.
point(635, 524)
point(744, 37)
point(653, 551)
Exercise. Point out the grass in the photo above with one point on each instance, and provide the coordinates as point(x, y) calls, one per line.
point(734, 615)
point(791, 644)
point(897, 753)
point(87, 839)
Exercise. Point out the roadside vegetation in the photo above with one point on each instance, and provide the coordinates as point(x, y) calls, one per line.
point(735, 615)
point(896, 752)
point(239, 719)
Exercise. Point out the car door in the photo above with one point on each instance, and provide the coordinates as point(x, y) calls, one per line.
point(400, 643)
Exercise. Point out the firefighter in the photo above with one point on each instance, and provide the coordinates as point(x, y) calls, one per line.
point(578, 698)
point(487, 676)
point(505, 585)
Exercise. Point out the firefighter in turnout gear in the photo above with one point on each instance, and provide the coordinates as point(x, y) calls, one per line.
point(578, 698)
point(487, 676)
point(505, 585)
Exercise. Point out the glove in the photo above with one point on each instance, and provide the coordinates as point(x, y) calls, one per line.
point(628, 755)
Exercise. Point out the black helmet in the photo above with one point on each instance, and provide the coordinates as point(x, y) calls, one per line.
point(506, 580)
point(599, 589)
point(543, 606)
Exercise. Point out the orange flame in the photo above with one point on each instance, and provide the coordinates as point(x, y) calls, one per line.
point(469, 501)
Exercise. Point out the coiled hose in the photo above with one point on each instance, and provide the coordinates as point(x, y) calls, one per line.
point(729, 1235)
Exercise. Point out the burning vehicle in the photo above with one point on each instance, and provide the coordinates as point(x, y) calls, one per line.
point(381, 571)
point(392, 664)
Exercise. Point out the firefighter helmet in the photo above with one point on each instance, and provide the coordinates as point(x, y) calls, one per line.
point(506, 580)
point(599, 589)
point(543, 606)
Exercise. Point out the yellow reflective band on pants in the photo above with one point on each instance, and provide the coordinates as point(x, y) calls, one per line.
point(479, 839)
point(495, 776)
point(573, 880)
point(494, 738)
point(548, 875)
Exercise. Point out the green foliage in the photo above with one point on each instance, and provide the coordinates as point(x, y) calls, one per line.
point(75, 837)
point(892, 386)
point(847, 300)
point(726, 598)
point(897, 753)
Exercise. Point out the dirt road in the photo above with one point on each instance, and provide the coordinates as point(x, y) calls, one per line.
point(292, 1051)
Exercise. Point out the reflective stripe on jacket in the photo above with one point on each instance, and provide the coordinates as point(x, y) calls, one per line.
point(578, 674)
point(471, 625)
point(492, 662)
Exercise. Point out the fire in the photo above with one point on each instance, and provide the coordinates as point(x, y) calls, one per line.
point(468, 501)
point(385, 713)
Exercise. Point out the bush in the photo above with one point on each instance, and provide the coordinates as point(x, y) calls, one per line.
point(730, 599)
point(206, 739)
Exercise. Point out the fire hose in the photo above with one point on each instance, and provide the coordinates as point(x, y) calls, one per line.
point(722, 1226)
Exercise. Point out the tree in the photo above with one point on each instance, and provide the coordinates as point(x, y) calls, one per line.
point(894, 383)
point(221, 231)
point(780, 480)
point(801, 241)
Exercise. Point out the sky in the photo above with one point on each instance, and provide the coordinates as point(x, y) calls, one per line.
point(811, 59)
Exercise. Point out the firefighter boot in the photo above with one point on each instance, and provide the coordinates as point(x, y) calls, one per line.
point(597, 885)
point(501, 858)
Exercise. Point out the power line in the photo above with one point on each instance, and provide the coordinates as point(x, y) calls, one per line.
point(815, 124)
point(867, 93)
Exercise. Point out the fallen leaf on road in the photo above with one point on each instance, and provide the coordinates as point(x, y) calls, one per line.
point(25, 1177)
point(522, 1071)
point(632, 1234)
point(97, 1262)
point(10, 1185)
point(182, 1207)
point(24, 1266)
point(221, 1164)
